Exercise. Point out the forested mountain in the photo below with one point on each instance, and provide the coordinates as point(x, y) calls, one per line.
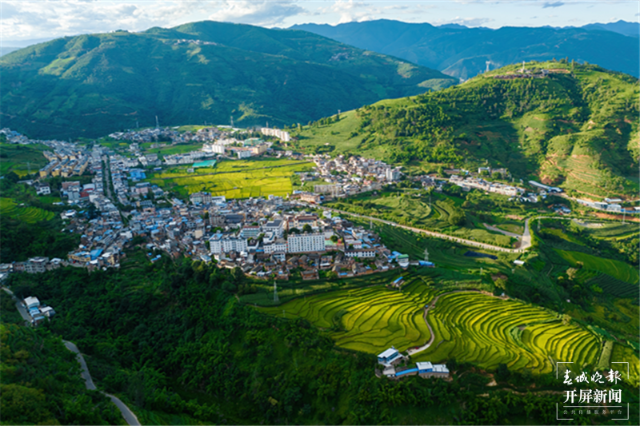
point(463, 52)
point(631, 29)
point(91, 85)
point(576, 127)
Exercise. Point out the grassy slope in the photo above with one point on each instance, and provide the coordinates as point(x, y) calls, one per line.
point(91, 85)
point(577, 129)
point(15, 158)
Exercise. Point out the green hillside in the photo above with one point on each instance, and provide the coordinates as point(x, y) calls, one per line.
point(576, 128)
point(91, 85)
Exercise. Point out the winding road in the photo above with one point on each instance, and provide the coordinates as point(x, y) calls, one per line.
point(432, 304)
point(128, 415)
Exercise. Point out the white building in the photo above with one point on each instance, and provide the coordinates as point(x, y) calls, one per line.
point(244, 154)
point(280, 134)
point(306, 243)
point(276, 226)
point(392, 175)
point(213, 148)
point(42, 188)
point(278, 246)
point(226, 244)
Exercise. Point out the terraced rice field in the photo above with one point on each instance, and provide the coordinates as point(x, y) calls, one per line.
point(10, 208)
point(368, 319)
point(487, 331)
point(613, 268)
point(626, 354)
point(467, 326)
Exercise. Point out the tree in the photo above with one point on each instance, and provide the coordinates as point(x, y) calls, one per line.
point(307, 229)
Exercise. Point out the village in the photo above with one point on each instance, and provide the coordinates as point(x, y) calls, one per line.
point(266, 237)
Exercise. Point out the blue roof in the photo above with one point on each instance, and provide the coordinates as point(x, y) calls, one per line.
point(398, 280)
point(411, 370)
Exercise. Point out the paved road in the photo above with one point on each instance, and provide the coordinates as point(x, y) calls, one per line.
point(128, 415)
point(23, 311)
point(525, 244)
point(502, 231)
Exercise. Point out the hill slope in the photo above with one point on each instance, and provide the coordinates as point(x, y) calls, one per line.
point(90, 85)
point(577, 127)
point(462, 52)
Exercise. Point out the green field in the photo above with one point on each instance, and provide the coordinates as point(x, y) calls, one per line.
point(613, 268)
point(468, 326)
point(15, 157)
point(368, 319)
point(487, 331)
point(9, 208)
point(410, 210)
point(233, 179)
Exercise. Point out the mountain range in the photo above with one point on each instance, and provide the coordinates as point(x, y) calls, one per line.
point(465, 52)
point(573, 125)
point(91, 85)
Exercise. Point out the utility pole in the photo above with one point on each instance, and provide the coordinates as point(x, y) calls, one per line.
point(157, 123)
point(624, 212)
point(232, 121)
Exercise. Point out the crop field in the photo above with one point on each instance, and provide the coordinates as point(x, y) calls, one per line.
point(626, 354)
point(487, 331)
point(368, 319)
point(468, 326)
point(613, 268)
point(15, 157)
point(614, 286)
point(614, 231)
point(233, 179)
point(414, 211)
point(9, 208)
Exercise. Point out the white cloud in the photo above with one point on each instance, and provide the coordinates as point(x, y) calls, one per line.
point(467, 22)
point(262, 12)
point(22, 19)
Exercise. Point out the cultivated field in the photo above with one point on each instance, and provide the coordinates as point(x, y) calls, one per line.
point(613, 268)
point(234, 179)
point(15, 157)
point(488, 331)
point(9, 208)
point(368, 319)
point(468, 326)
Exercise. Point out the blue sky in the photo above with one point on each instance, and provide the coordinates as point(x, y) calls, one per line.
point(33, 19)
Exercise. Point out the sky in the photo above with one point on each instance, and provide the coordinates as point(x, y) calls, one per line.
point(47, 19)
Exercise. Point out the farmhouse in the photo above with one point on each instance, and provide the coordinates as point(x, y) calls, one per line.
point(390, 357)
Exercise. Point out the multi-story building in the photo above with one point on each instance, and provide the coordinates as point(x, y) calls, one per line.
point(306, 243)
point(226, 244)
point(276, 226)
point(251, 231)
point(36, 265)
point(278, 246)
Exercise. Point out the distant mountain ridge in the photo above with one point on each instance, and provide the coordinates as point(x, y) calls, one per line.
point(464, 52)
point(91, 85)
